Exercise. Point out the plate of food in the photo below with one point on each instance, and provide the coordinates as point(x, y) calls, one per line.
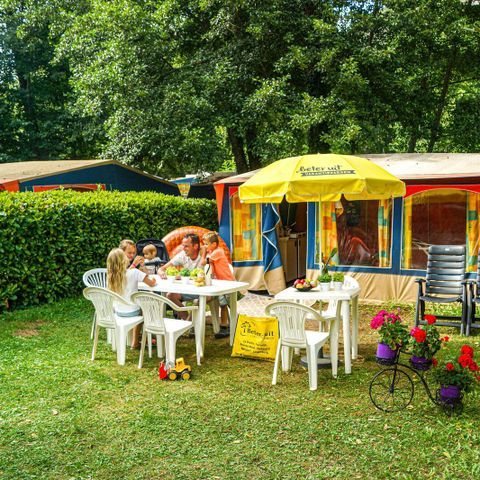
point(304, 284)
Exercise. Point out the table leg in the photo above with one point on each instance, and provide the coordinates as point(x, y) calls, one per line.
point(354, 327)
point(334, 328)
point(233, 316)
point(200, 327)
point(346, 335)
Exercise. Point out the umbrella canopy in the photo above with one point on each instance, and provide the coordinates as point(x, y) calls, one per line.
point(320, 177)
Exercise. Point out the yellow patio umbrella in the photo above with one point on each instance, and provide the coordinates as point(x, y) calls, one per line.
point(320, 177)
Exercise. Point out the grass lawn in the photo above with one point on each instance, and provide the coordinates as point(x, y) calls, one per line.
point(63, 416)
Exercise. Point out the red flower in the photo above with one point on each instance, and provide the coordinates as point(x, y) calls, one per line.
point(465, 360)
point(450, 366)
point(434, 362)
point(419, 334)
point(467, 350)
point(473, 367)
point(431, 319)
point(446, 338)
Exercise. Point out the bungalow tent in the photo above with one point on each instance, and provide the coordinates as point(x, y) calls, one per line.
point(381, 243)
point(81, 175)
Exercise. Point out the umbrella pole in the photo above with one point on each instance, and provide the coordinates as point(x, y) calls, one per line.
point(323, 361)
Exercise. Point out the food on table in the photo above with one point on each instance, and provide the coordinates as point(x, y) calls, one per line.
point(304, 284)
point(185, 272)
point(172, 271)
point(195, 272)
point(200, 279)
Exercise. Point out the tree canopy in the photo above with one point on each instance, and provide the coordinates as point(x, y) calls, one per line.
point(178, 86)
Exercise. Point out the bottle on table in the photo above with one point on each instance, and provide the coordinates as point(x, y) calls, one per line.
point(208, 273)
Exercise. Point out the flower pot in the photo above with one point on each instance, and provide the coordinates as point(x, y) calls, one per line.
point(450, 392)
point(385, 352)
point(325, 286)
point(420, 363)
point(337, 285)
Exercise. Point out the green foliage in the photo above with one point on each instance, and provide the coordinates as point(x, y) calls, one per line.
point(325, 278)
point(338, 277)
point(190, 85)
point(48, 240)
point(185, 272)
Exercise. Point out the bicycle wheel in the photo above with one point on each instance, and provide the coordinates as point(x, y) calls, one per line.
point(391, 390)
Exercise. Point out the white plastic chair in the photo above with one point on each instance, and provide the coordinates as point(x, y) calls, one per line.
point(167, 330)
point(291, 322)
point(103, 301)
point(97, 277)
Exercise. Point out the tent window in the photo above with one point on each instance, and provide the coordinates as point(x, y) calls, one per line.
point(439, 217)
point(360, 230)
point(246, 230)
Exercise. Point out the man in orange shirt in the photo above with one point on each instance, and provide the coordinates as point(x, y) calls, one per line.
point(220, 269)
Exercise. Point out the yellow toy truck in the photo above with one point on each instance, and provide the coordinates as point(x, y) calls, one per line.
point(180, 370)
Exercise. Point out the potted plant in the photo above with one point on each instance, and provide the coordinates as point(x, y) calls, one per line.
point(185, 274)
point(324, 280)
point(457, 375)
point(393, 335)
point(338, 278)
point(425, 341)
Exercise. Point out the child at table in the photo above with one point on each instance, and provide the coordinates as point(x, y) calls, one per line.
point(124, 281)
point(217, 261)
point(152, 262)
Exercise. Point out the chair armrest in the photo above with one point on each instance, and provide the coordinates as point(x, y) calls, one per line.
point(420, 280)
point(186, 309)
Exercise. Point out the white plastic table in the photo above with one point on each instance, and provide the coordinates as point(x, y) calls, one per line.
point(346, 295)
point(218, 288)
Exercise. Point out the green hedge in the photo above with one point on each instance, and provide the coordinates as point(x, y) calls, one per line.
point(48, 240)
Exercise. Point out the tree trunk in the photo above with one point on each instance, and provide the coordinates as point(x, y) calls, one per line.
point(412, 143)
point(441, 101)
point(315, 144)
point(236, 142)
point(253, 157)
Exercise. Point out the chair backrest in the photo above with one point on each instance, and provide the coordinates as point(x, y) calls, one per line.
point(445, 270)
point(162, 252)
point(97, 277)
point(291, 321)
point(153, 309)
point(103, 301)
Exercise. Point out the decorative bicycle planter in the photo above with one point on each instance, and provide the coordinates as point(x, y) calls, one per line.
point(392, 388)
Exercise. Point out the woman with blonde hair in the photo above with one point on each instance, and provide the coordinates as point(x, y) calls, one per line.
point(124, 281)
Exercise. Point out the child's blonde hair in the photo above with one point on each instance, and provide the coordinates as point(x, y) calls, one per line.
point(125, 243)
point(211, 237)
point(117, 264)
point(150, 248)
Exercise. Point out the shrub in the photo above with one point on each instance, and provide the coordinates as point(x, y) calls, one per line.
point(48, 240)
